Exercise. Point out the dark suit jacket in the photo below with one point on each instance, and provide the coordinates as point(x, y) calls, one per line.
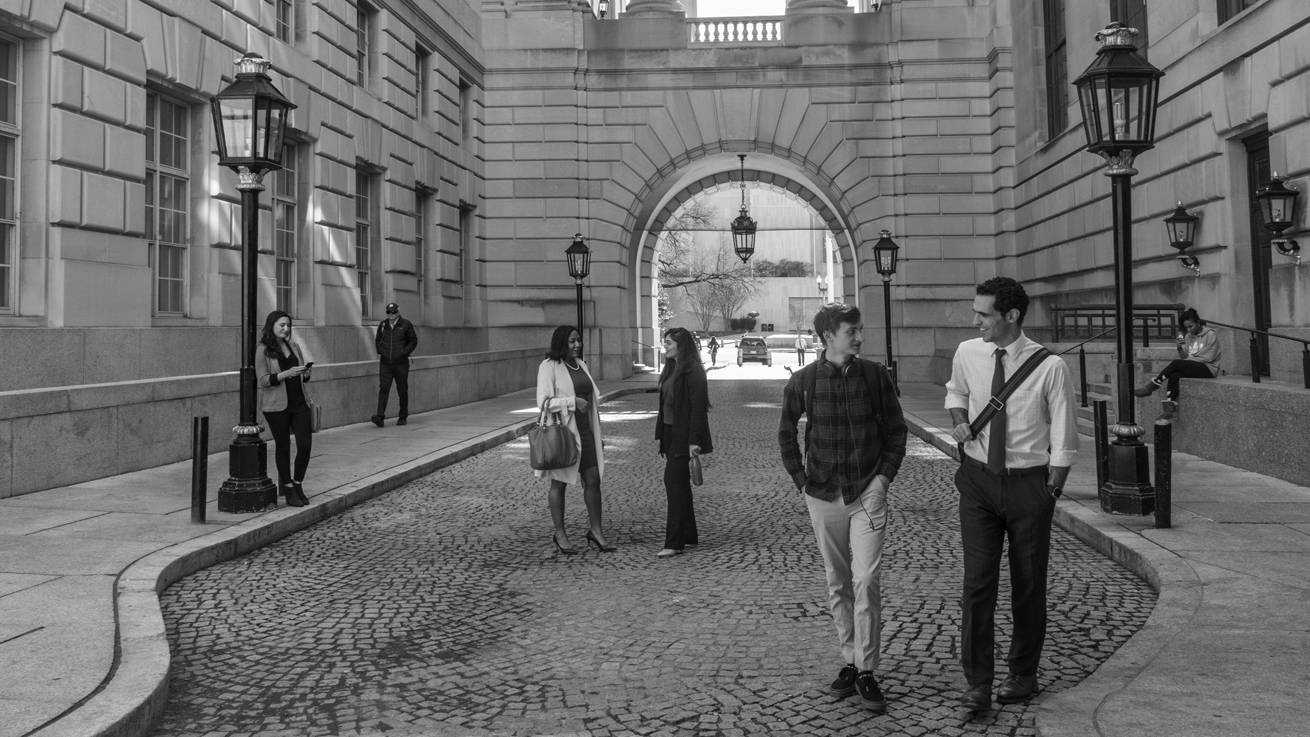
point(691, 421)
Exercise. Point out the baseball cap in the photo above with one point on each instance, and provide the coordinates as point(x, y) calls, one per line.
point(392, 308)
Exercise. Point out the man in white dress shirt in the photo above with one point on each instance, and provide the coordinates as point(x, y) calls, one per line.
point(1009, 479)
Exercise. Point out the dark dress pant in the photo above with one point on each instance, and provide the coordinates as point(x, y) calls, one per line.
point(680, 526)
point(386, 373)
point(1177, 369)
point(992, 510)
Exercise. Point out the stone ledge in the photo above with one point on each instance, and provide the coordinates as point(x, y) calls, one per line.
point(1257, 427)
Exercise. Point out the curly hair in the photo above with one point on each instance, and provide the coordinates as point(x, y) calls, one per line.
point(1009, 295)
point(266, 336)
point(831, 317)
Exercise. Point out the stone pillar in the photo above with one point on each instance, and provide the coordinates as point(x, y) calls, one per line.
point(654, 9)
point(808, 7)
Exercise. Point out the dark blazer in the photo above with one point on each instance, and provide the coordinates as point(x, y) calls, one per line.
point(691, 421)
point(395, 344)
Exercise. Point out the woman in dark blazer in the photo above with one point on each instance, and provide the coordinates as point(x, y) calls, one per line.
point(682, 430)
point(282, 377)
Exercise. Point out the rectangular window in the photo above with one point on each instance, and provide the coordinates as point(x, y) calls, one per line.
point(168, 200)
point(423, 80)
point(1057, 70)
point(463, 240)
point(363, 36)
point(285, 219)
point(1228, 9)
point(363, 232)
point(1132, 13)
point(422, 199)
point(465, 111)
point(285, 20)
point(9, 109)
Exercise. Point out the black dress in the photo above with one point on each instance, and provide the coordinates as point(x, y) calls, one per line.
point(584, 389)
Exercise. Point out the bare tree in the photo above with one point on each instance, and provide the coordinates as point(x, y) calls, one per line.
point(714, 282)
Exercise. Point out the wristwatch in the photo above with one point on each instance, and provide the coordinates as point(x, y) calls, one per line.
point(1055, 491)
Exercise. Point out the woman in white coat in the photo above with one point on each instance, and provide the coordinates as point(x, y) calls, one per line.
point(564, 385)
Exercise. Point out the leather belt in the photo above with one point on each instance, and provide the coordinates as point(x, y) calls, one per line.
point(1028, 471)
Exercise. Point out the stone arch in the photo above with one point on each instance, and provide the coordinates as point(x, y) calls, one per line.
point(708, 167)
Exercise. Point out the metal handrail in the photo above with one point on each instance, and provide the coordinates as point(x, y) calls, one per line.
point(1257, 359)
point(1082, 362)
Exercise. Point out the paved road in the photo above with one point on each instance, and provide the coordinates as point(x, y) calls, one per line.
point(442, 609)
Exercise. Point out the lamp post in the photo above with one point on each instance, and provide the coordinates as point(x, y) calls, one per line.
point(579, 257)
point(884, 255)
point(1278, 211)
point(250, 119)
point(604, 7)
point(1118, 94)
point(743, 228)
point(1181, 227)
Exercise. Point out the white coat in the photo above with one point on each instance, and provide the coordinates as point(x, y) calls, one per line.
point(555, 393)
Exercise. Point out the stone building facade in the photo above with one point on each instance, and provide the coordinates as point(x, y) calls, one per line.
point(446, 152)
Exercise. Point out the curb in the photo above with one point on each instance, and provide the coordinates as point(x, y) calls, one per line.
point(131, 699)
point(1072, 713)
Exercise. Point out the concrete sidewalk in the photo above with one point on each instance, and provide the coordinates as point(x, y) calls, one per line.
point(82, 640)
point(1224, 652)
point(85, 653)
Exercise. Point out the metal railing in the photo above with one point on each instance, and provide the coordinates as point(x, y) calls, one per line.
point(1080, 321)
point(1082, 361)
point(735, 31)
point(1257, 358)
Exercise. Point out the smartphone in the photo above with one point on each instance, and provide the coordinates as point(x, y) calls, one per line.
point(309, 365)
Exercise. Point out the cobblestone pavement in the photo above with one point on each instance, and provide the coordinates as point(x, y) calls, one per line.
point(442, 608)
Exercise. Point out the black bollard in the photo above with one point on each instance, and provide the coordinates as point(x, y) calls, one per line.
point(1082, 371)
point(199, 468)
point(1164, 471)
point(1100, 436)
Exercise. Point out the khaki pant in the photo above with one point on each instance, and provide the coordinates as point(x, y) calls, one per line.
point(850, 537)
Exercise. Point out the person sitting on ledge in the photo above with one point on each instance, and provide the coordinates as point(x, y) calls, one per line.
point(1198, 358)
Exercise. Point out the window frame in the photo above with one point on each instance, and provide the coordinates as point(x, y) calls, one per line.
point(1056, 67)
point(1230, 9)
point(11, 132)
point(156, 172)
point(1132, 13)
point(424, 109)
point(284, 196)
point(465, 115)
point(365, 24)
point(364, 230)
point(284, 30)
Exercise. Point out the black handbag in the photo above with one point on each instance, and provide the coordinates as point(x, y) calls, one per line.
point(550, 444)
point(697, 473)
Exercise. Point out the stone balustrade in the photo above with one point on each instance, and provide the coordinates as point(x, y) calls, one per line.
point(735, 31)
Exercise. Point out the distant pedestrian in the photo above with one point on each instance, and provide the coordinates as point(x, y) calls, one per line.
point(855, 438)
point(714, 350)
point(395, 340)
point(1198, 358)
point(682, 429)
point(1010, 477)
point(565, 385)
point(282, 377)
point(800, 350)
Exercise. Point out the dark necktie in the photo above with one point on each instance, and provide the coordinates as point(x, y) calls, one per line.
point(996, 431)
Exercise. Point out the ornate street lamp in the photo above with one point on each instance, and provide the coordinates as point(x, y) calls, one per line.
point(604, 7)
point(1278, 210)
point(743, 228)
point(579, 257)
point(1118, 94)
point(1181, 227)
point(822, 284)
point(884, 256)
point(250, 121)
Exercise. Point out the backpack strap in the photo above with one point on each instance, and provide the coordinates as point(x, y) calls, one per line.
point(997, 403)
point(867, 370)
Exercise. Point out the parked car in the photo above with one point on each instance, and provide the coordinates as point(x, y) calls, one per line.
point(753, 348)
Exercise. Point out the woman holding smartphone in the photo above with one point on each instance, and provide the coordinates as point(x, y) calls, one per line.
point(282, 377)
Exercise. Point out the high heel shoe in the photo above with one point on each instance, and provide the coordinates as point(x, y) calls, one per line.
point(603, 548)
point(561, 548)
point(300, 493)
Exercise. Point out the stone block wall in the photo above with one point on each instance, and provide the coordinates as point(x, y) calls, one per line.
point(66, 435)
point(1259, 427)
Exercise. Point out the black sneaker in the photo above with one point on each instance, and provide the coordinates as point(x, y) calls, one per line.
point(870, 694)
point(402, 421)
point(845, 684)
point(377, 420)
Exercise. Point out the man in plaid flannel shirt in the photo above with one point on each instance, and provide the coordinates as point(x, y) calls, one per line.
point(855, 441)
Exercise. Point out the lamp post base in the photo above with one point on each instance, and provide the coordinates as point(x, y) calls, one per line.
point(1128, 489)
point(248, 487)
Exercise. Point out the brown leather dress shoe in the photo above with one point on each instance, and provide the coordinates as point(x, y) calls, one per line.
point(977, 698)
point(1016, 689)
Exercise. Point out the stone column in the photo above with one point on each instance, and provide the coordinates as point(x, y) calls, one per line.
point(654, 9)
point(797, 7)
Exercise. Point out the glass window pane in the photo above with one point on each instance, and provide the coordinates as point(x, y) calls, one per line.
point(8, 82)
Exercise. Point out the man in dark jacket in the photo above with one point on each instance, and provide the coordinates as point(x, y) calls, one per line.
point(395, 340)
point(854, 442)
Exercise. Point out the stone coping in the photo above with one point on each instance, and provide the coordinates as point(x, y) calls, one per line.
point(54, 400)
point(129, 702)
